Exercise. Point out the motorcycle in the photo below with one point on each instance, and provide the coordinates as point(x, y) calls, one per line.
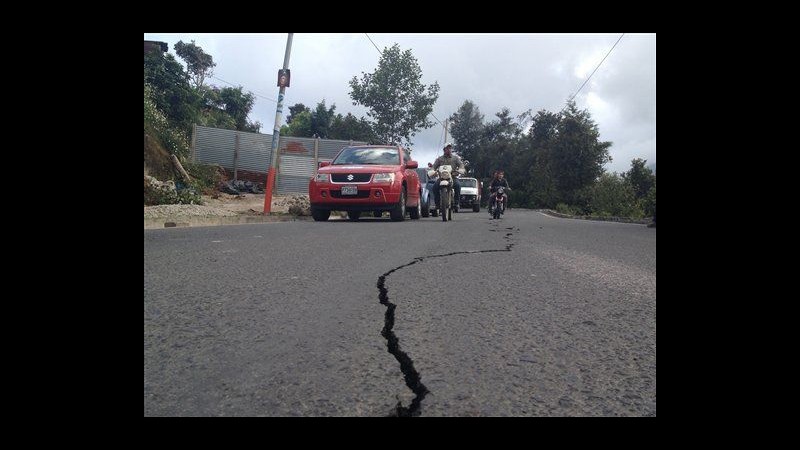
point(446, 193)
point(497, 204)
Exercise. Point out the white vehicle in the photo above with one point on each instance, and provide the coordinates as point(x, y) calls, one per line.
point(470, 194)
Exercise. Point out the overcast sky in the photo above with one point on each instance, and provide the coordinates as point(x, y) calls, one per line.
point(517, 71)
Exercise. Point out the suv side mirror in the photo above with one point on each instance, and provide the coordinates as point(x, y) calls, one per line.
point(324, 163)
point(411, 164)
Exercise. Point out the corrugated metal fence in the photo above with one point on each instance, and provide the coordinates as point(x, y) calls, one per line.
point(298, 158)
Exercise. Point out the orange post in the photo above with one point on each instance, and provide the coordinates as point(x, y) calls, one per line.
point(268, 191)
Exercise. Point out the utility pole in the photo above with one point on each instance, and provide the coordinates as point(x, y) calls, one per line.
point(276, 131)
point(445, 138)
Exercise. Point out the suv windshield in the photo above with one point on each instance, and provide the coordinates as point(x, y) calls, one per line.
point(468, 182)
point(372, 155)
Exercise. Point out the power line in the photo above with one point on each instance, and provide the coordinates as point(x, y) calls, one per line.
point(254, 93)
point(598, 66)
point(376, 47)
point(437, 119)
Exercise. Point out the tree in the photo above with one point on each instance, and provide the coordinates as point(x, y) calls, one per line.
point(300, 126)
point(499, 138)
point(294, 111)
point(323, 123)
point(238, 105)
point(612, 196)
point(321, 119)
point(171, 91)
point(649, 201)
point(198, 63)
point(577, 155)
point(538, 180)
point(350, 128)
point(398, 102)
point(307, 123)
point(640, 177)
point(228, 108)
point(467, 132)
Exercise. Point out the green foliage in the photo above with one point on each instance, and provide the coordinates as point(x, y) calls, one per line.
point(500, 141)
point(300, 126)
point(166, 195)
point(563, 208)
point(556, 164)
point(184, 105)
point(175, 140)
point(198, 63)
point(171, 92)
point(228, 108)
point(577, 155)
point(321, 120)
point(294, 111)
point(611, 196)
point(323, 123)
point(238, 105)
point(649, 201)
point(396, 97)
point(534, 163)
point(640, 178)
point(467, 131)
point(307, 123)
point(207, 177)
point(350, 128)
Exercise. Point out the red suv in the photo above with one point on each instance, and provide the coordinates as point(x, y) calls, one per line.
point(373, 178)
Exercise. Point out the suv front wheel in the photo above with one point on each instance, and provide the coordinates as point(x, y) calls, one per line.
point(414, 212)
point(399, 212)
point(320, 215)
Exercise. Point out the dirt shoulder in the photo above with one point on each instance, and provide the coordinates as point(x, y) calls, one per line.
point(226, 205)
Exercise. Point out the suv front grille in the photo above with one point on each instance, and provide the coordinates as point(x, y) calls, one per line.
point(357, 177)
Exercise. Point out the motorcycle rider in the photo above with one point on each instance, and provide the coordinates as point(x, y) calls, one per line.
point(453, 161)
point(497, 181)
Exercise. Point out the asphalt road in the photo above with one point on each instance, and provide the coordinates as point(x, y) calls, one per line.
point(529, 315)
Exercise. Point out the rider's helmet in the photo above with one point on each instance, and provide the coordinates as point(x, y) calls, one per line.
point(448, 146)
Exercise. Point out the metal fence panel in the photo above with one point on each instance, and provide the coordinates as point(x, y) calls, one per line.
point(214, 146)
point(297, 160)
point(255, 151)
point(218, 146)
point(302, 166)
point(297, 146)
point(293, 184)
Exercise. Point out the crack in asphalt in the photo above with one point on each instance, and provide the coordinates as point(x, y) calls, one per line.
point(412, 377)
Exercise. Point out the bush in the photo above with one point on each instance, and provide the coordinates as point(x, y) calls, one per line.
point(169, 193)
point(207, 177)
point(649, 202)
point(563, 208)
point(175, 141)
point(610, 196)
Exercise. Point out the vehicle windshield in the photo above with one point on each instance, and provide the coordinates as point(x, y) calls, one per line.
point(371, 155)
point(468, 182)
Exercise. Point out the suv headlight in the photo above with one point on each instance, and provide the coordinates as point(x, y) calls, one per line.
point(383, 178)
point(322, 178)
